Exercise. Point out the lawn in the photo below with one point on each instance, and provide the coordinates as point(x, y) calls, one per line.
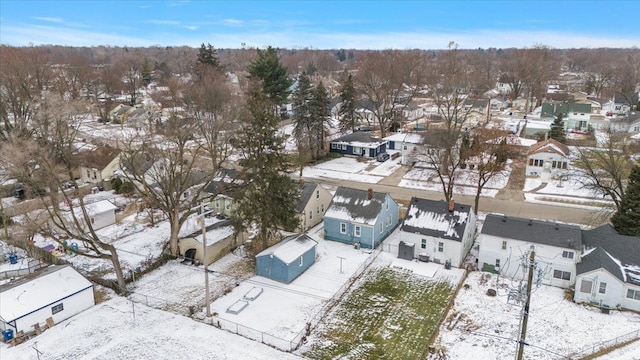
point(390, 315)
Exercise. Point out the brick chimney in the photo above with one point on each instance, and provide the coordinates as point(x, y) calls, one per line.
point(452, 205)
point(370, 194)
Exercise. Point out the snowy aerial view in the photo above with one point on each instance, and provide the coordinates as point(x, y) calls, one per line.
point(319, 180)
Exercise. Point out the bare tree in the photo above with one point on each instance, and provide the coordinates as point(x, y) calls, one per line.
point(527, 70)
point(604, 170)
point(389, 80)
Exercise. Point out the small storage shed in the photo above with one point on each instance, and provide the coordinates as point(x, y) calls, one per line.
point(288, 259)
point(57, 292)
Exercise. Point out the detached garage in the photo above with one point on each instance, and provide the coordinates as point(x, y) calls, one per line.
point(57, 292)
point(288, 259)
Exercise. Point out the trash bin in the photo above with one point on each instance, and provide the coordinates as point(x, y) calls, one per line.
point(605, 309)
point(7, 335)
point(447, 264)
point(13, 259)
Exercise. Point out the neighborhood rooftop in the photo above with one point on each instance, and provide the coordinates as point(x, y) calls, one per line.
point(354, 204)
point(533, 231)
point(290, 248)
point(433, 218)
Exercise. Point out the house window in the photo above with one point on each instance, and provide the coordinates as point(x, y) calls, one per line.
point(538, 162)
point(317, 194)
point(530, 162)
point(357, 231)
point(357, 150)
point(497, 263)
point(318, 209)
point(56, 309)
point(227, 205)
point(88, 173)
point(504, 245)
point(404, 147)
point(603, 288)
point(423, 245)
point(585, 286)
point(93, 220)
point(310, 214)
point(567, 254)
point(322, 207)
point(633, 294)
point(344, 146)
point(440, 246)
point(387, 204)
point(343, 228)
point(217, 203)
point(333, 145)
point(95, 175)
point(381, 226)
point(301, 261)
point(562, 275)
point(388, 220)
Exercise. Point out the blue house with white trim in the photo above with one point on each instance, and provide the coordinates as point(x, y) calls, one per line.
point(288, 259)
point(358, 144)
point(358, 216)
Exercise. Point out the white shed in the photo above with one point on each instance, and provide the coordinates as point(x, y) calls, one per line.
point(59, 292)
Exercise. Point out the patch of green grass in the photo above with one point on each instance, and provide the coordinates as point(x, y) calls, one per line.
point(391, 315)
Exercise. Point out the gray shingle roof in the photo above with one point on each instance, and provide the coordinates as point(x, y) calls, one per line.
point(599, 259)
point(357, 137)
point(622, 247)
point(305, 194)
point(433, 218)
point(354, 203)
point(533, 231)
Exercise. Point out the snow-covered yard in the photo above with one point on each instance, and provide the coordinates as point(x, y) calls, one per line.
point(350, 168)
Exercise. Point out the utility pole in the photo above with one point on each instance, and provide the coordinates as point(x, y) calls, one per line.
point(525, 317)
point(204, 260)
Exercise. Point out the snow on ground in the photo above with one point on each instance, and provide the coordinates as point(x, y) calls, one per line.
point(118, 329)
point(565, 201)
point(487, 326)
point(348, 168)
point(282, 310)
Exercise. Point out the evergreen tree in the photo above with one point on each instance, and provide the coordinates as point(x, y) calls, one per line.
point(321, 117)
point(268, 69)
point(268, 196)
point(207, 55)
point(627, 219)
point(302, 99)
point(557, 130)
point(348, 105)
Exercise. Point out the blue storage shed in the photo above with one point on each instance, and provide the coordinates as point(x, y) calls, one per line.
point(288, 259)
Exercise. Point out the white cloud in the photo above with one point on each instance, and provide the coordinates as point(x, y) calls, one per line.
point(49, 19)
point(232, 22)
point(163, 22)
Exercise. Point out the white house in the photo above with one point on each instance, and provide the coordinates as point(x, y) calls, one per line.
point(437, 229)
point(608, 273)
point(505, 243)
point(547, 159)
point(409, 145)
point(57, 292)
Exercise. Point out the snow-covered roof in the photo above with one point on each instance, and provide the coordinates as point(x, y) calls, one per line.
point(39, 290)
point(359, 139)
point(355, 205)
point(216, 235)
point(100, 207)
point(433, 218)
point(291, 248)
point(550, 145)
point(409, 138)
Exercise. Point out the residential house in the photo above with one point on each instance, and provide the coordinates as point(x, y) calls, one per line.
point(288, 259)
point(505, 243)
point(218, 237)
point(632, 118)
point(220, 197)
point(503, 88)
point(408, 144)
point(98, 165)
point(619, 104)
point(608, 273)
point(575, 116)
point(119, 113)
point(360, 217)
point(55, 293)
point(438, 230)
point(547, 159)
point(358, 144)
point(314, 201)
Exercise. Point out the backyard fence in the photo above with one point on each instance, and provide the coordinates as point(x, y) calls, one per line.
point(300, 337)
point(603, 345)
point(32, 266)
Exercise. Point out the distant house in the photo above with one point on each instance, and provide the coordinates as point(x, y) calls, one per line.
point(358, 144)
point(550, 110)
point(547, 159)
point(440, 230)
point(361, 217)
point(506, 241)
point(57, 292)
point(220, 197)
point(99, 164)
point(314, 201)
point(408, 144)
point(619, 104)
point(219, 242)
point(288, 259)
point(119, 113)
point(608, 273)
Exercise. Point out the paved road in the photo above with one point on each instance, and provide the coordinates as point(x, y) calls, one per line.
point(502, 206)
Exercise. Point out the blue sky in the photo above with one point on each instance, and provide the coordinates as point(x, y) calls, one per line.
point(322, 24)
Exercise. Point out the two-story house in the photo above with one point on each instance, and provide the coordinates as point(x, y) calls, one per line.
point(314, 201)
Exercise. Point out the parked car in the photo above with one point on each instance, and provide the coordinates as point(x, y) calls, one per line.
point(382, 157)
point(364, 128)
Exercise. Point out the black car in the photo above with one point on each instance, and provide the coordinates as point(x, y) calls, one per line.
point(382, 157)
